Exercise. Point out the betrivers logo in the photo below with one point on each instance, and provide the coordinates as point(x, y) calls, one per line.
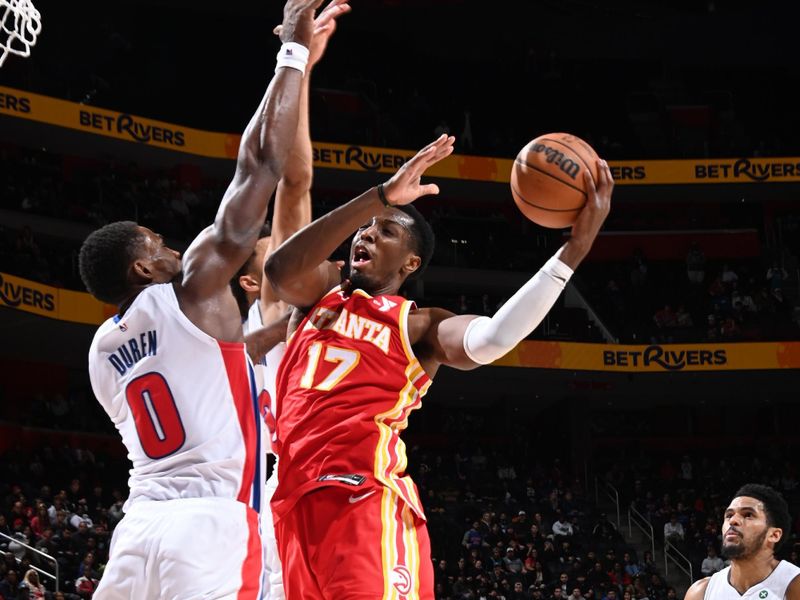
point(135, 129)
point(744, 168)
point(16, 295)
point(369, 161)
point(669, 360)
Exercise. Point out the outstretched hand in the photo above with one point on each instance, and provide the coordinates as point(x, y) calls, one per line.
point(298, 21)
point(598, 204)
point(404, 187)
point(324, 26)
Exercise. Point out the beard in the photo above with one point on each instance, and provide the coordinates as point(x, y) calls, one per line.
point(360, 281)
point(744, 550)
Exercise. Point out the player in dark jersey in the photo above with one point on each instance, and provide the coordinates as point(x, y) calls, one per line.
point(348, 519)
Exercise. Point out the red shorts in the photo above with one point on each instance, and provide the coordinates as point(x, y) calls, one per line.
point(346, 543)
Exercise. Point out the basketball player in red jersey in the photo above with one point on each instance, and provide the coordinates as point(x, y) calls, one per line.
point(349, 521)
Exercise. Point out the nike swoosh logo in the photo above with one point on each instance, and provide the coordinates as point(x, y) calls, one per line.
point(354, 499)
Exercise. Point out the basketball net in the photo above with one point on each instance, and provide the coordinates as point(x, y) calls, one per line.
point(20, 24)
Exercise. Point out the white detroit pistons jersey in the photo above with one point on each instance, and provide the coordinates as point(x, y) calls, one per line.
point(772, 588)
point(266, 373)
point(183, 402)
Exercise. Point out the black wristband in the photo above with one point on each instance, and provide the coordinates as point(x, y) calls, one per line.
point(382, 195)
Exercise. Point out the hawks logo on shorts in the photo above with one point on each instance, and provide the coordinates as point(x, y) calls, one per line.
point(401, 580)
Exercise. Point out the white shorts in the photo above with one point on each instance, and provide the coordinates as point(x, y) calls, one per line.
point(272, 584)
point(190, 548)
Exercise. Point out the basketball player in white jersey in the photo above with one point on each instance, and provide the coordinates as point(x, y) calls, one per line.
point(172, 373)
point(756, 524)
point(257, 301)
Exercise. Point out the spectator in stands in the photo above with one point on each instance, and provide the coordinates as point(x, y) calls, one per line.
point(540, 575)
point(35, 589)
point(647, 565)
point(598, 578)
point(9, 586)
point(511, 562)
point(640, 589)
point(631, 568)
point(764, 301)
point(683, 318)
point(576, 594)
point(665, 320)
point(728, 276)
point(656, 587)
point(472, 538)
point(4, 528)
point(673, 530)
point(695, 264)
point(712, 330)
point(40, 520)
point(562, 526)
point(746, 300)
point(17, 546)
point(564, 584)
point(85, 586)
point(729, 328)
point(627, 593)
point(776, 277)
point(518, 593)
point(611, 594)
point(619, 577)
point(605, 530)
point(485, 524)
point(711, 563)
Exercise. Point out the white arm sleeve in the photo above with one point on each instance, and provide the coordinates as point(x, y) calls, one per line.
point(487, 339)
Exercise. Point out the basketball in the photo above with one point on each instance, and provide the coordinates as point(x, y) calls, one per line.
point(547, 178)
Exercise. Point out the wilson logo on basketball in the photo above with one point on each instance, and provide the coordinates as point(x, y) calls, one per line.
point(567, 165)
point(401, 580)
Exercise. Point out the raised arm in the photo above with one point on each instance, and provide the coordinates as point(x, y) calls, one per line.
point(298, 270)
point(218, 252)
point(293, 198)
point(468, 341)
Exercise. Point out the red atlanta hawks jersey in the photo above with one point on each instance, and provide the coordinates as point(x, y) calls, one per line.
point(345, 389)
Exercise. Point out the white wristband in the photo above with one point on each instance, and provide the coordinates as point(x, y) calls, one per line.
point(294, 56)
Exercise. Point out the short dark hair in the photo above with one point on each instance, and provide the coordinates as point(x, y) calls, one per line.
point(423, 236)
point(775, 507)
point(104, 259)
point(238, 293)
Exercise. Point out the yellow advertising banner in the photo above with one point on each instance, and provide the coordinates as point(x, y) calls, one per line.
point(52, 302)
point(654, 358)
point(158, 134)
point(121, 126)
point(80, 307)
